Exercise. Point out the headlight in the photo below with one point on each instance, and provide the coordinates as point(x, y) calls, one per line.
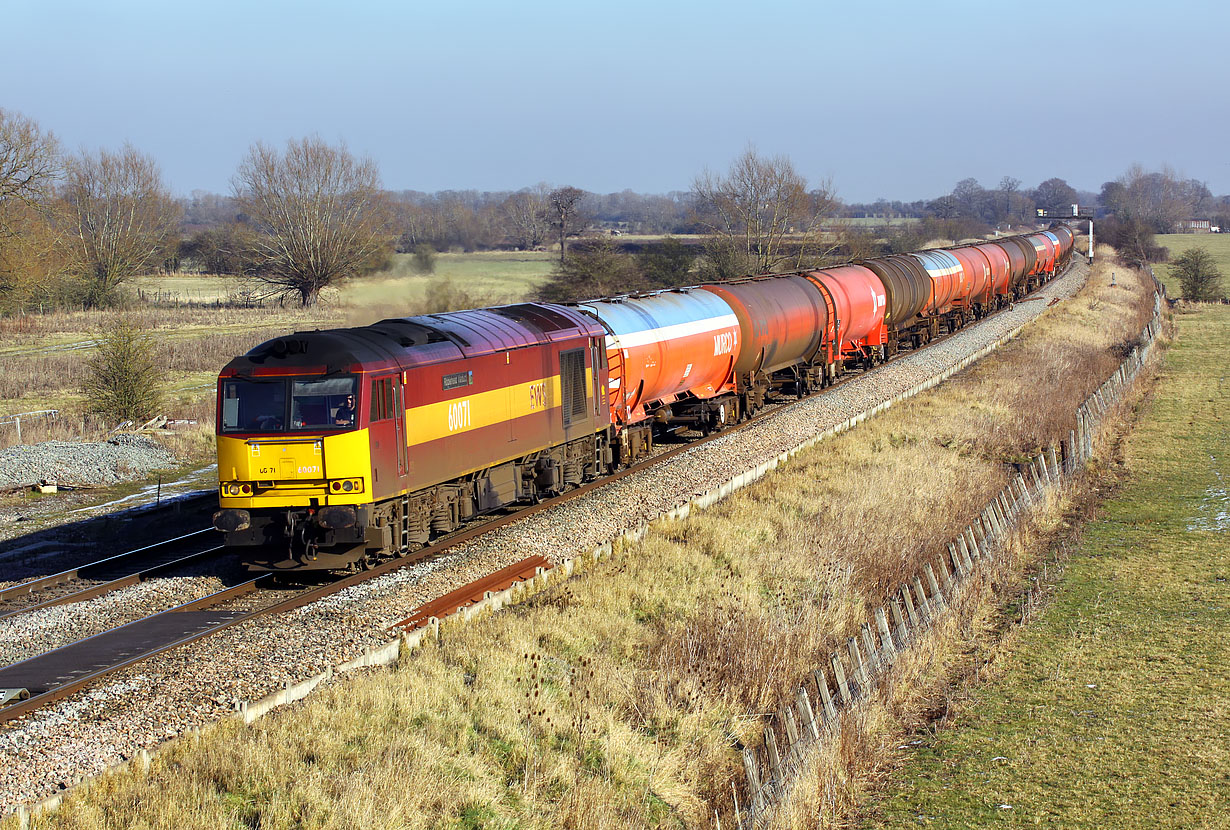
point(347, 486)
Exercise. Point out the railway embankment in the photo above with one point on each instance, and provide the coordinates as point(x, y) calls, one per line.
point(648, 667)
point(1111, 707)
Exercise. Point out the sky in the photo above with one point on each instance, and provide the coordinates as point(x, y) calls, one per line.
point(898, 100)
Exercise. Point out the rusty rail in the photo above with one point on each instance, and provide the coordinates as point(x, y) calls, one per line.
point(467, 595)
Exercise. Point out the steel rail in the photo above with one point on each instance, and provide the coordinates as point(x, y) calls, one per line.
point(76, 573)
point(37, 701)
point(115, 584)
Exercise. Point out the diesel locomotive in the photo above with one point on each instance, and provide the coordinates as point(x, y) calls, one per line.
point(337, 448)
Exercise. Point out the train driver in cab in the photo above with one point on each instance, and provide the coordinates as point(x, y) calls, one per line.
point(344, 416)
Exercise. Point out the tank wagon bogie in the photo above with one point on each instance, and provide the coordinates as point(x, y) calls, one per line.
point(338, 447)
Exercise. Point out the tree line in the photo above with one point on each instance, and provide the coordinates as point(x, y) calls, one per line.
point(74, 227)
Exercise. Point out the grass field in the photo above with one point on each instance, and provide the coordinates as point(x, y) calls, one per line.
point(1217, 244)
point(1112, 710)
point(490, 276)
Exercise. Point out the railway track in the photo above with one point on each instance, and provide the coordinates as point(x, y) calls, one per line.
point(106, 575)
point(44, 679)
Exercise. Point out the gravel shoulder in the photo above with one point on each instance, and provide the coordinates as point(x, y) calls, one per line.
point(175, 692)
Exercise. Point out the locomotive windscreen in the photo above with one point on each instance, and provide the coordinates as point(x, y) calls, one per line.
point(288, 404)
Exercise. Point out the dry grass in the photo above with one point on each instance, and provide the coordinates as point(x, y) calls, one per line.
point(618, 699)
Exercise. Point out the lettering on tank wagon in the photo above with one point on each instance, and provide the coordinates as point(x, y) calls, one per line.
point(723, 343)
point(459, 415)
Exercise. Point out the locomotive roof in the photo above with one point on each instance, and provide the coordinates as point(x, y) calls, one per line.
point(405, 342)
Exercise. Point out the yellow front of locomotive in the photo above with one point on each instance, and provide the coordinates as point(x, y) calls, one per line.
point(294, 469)
point(313, 470)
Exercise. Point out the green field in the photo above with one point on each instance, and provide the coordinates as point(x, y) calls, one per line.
point(1217, 244)
point(489, 276)
point(1112, 710)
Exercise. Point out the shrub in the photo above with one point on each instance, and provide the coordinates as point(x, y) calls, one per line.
point(123, 379)
point(1199, 276)
point(424, 259)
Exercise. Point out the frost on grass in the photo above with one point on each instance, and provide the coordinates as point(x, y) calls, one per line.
point(1214, 513)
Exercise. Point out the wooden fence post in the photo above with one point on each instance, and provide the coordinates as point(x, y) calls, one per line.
point(856, 662)
point(921, 597)
point(1020, 483)
point(887, 646)
point(826, 698)
point(945, 573)
point(910, 610)
point(775, 757)
point(839, 674)
point(869, 645)
point(899, 627)
point(937, 596)
point(958, 563)
point(752, 769)
point(792, 735)
point(803, 703)
point(1046, 469)
point(966, 563)
point(974, 550)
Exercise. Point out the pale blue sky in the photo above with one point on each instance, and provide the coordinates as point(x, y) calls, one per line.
point(889, 99)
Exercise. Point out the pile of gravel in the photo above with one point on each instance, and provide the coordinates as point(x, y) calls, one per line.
point(122, 458)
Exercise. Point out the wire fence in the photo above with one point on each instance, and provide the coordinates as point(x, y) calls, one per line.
point(37, 415)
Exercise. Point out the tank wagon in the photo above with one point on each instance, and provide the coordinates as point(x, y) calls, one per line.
point(339, 447)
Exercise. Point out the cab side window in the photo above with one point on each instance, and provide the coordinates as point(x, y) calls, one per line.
point(382, 399)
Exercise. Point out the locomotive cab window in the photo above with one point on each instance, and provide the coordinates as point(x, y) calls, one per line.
point(254, 405)
point(328, 403)
point(282, 405)
point(382, 399)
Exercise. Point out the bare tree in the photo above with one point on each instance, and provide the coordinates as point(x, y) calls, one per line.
point(122, 219)
point(318, 214)
point(761, 212)
point(1008, 189)
point(526, 218)
point(1160, 199)
point(565, 214)
point(30, 164)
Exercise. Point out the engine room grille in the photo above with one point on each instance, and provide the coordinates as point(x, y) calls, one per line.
point(572, 385)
